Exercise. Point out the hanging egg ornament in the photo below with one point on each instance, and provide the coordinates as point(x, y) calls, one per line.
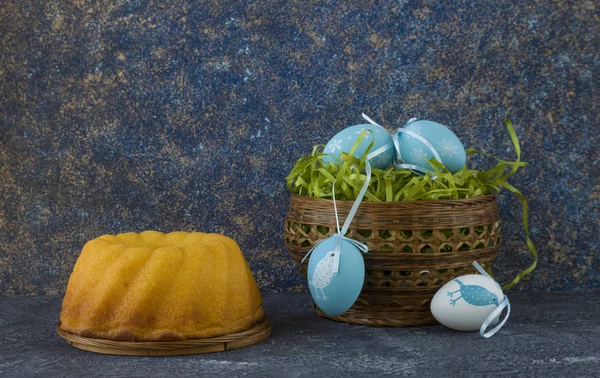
point(335, 293)
point(380, 155)
point(445, 142)
point(466, 302)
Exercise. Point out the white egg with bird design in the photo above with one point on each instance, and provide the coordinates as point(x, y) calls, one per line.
point(466, 302)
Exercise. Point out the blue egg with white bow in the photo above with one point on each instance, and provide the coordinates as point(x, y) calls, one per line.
point(382, 150)
point(445, 142)
point(335, 293)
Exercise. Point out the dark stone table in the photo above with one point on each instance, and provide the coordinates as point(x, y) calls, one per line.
point(548, 334)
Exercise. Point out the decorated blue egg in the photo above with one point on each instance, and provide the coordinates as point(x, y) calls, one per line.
point(335, 293)
point(466, 302)
point(445, 142)
point(382, 151)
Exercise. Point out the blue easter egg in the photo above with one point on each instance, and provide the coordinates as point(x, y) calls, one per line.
point(345, 139)
point(335, 294)
point(445, 142)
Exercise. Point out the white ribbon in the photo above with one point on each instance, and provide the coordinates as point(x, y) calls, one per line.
point(427, 144)
point(505, 304)
point(370, 120)
point(382, 149)
point(340, 233)
point(398, 160)
point(501, 306)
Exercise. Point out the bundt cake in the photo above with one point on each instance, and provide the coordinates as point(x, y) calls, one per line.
point(160, 287)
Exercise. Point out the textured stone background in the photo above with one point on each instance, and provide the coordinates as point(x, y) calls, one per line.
point(130, 115)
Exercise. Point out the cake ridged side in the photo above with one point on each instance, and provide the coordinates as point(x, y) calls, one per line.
point(154, 286)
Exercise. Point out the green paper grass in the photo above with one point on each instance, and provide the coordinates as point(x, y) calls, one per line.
point(311, 177)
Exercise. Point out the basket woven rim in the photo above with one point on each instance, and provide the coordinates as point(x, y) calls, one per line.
point(259, 332)
point(388, 204)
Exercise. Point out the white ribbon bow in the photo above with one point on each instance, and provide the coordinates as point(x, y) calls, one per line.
point(398, 160)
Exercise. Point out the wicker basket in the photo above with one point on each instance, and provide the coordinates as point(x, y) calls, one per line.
point(414, 249)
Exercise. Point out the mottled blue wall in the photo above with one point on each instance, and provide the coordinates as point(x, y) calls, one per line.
point(174, 115)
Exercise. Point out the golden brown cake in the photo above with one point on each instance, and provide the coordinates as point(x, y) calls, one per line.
point(159, 287)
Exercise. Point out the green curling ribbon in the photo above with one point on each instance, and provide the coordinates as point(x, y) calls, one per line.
point(313, 178)
point(499, 180)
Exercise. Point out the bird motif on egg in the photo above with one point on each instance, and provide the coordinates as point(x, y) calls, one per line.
point(380, 155)
point(335, 293)
point(473, 294)
point(323, 275)
point(466, 302)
